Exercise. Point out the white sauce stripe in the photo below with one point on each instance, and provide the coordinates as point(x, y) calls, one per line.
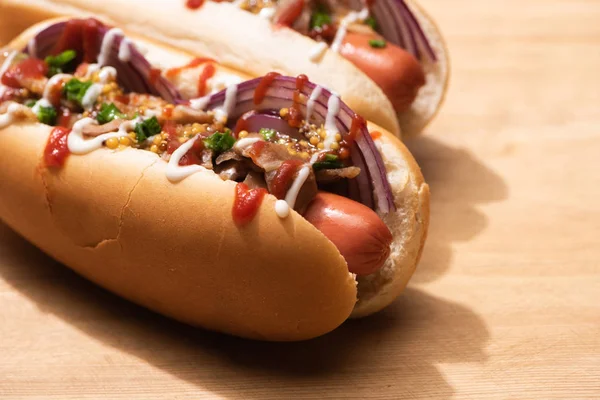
point(107, 43)
point(52, 82)
point(39, 104)
point(282, 209)
point(292, 194)
point(91, 95)
point(222, 113)
point(174, 171)
point(317, 52)
point(310, 104)
point(125, 50)
point(8, 117)
point(333, 109)
point(32, 48)
point(350, 18)
point(244, 143)
point(199, 103)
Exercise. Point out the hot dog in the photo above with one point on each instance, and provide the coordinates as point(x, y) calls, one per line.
point(226, 211)
point(398, 90)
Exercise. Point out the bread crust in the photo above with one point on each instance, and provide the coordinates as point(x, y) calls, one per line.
point(113, 217)
point(253, 45)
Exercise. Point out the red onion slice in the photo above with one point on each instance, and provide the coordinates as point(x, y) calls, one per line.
point(280, 93)
point(135, 75)
point(398, 24)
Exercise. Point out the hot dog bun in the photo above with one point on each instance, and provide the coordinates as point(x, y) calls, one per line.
point(254, 45)
point(113, 217)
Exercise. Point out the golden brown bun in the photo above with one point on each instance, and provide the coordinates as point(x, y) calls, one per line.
point(114, 218)
point(251, 44)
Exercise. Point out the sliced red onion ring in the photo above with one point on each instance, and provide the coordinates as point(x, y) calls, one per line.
point(135, 75)
point(280, 93)
point(254, 120)
point(398, 24)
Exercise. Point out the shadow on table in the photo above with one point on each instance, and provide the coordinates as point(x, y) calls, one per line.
point(459, 183)
point(393, 352)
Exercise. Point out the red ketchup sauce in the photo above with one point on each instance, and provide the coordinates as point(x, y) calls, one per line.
point(284, 177)
point(263, 85)
point(154, 75)
point(358, 123)
point(246, 203)
point(207, 73)
point(57, 150)
point(375, 135)
point(194, 4)
point(30, 68)
point(294, 117)
point(173, 72)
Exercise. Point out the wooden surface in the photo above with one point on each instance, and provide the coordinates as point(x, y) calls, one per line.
point(506, 301)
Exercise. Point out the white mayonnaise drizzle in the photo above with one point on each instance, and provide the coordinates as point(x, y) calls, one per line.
point(106, 73)
point(267, 13)
point(292, 194)
point(200, 103)
point(333, 109)
point(39, 104)
point(222, 113)
point(310, 104)
point(91, 95)
point(8, 117)
point(176, 172)
point(32, 47)
point(244, 143)
point(125, 50)
point(317, 51)
point(107, 43)
point(90, 70)
point(282, 209)
point(52, 82)
point(222, 81)
point(79, 145)
point(350, 18)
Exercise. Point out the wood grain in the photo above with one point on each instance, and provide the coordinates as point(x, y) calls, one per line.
point(506, 301)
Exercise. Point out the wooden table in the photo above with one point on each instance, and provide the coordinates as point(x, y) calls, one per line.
point(505, 303)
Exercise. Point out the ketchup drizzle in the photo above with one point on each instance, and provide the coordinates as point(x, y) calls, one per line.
point(194, 4)
point(246, 203)
point(57, 149)
point(263, 85)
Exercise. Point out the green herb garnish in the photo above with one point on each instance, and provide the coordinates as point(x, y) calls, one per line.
point(108, 112)
point(58, 64)
point(371, 22)
point(75, 90)
point(377, 43)
point(331, 161)
point(220, 142)
point(30, 103)
point(47, 115)
point(319, 17)
point(147, 128)
point(267, 134)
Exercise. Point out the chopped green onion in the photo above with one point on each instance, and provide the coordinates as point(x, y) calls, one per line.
point(57, 64)
point(377, 43)
point(331, 161)
point(267, 134)
point(75, 90)
point(30, 103)
point(47, 115)
point(108, 112)
point(319, 17)
point(220, 142)
point(371, 22)
point(147, 128)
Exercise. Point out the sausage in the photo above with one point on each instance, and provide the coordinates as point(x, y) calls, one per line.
point(394, 70)
point(356, 230)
